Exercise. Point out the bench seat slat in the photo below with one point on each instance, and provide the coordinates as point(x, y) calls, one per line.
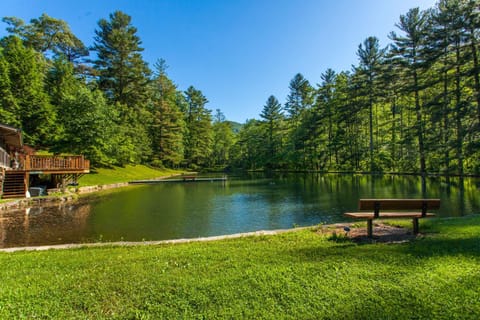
point(387, 215)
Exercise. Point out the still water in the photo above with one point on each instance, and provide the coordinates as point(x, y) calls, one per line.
point(197, 209)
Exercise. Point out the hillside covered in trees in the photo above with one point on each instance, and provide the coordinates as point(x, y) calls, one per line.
point(412, 106)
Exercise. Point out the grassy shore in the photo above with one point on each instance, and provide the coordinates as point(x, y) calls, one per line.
point(299, 275)
point(128, 173)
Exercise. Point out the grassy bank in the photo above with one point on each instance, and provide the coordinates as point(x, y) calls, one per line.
point(299, 275)
point(102, 176)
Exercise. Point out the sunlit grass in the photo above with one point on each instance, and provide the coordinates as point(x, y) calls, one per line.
point(298, 275)
point(128, 173)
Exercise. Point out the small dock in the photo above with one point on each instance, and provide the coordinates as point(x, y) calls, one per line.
point(180, 179)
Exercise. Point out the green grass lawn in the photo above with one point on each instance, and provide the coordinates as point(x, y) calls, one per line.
point(102, 176)
point(298, 275)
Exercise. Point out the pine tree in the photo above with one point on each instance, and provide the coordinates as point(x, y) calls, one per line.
point(246, 152)
point(223, 139)
point(470, 17)
point(272, 117)
point(123, 74)
point(408, 51)
point(48, 35)
point(168, 124)
point(299, 100)
point(198, 138)
point(325, 111)
point(453, 36)
point(26, 72)
point(9, 111)
point(370, 56)
point(89, 127)
point(124, 77)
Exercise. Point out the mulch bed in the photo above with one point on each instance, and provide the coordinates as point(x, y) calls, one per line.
point(382, 233)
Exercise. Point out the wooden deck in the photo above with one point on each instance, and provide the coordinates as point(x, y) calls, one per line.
point(56, 164)
point(5, 160)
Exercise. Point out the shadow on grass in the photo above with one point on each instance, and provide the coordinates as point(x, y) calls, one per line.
point(418, 249)
point(445, 246)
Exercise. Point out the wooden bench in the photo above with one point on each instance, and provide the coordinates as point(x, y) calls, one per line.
point(388, 209)
point(191, 178)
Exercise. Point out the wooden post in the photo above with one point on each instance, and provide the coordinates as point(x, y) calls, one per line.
point(415, 226)
point(376, 210)
point(26, 181)
point(2, 179)
point(424, 208)
point(27, 162)
point(370, 228)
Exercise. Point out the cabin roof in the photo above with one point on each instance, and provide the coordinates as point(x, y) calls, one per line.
point(12, 136)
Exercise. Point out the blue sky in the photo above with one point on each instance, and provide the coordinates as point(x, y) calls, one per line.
point(237, 52)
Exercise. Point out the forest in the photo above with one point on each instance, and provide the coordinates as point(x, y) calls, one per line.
point(410, 107)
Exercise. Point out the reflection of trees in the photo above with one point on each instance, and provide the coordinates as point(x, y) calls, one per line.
point(64, 223)
point(201, 209)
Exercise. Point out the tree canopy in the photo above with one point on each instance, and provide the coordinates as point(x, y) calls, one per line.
point(411, 106)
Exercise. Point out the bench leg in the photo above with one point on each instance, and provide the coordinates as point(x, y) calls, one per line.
point(370, 228)
point(415, 226)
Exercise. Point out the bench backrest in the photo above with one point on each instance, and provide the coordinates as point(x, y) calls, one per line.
point(399, 204)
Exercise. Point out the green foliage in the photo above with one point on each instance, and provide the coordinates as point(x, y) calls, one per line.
point(273, 122)
point(90, 127)
point(298, 275)
point(411, 107)
point(198, 137)
point(223, 140)
point(370, 56)
point(124, 78)
point(168, 125)
point(299, 101)
point(9, 111)
point(26, 72)
point(409, 53)
point(123, 74)
point(47, 34)
point(248, 150)
point(112, 112)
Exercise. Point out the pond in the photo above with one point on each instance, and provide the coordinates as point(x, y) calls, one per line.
point(241, 204)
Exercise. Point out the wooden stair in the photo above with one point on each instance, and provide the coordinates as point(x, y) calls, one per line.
point(14, 185)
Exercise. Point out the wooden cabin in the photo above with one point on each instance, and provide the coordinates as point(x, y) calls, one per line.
point(19, 163)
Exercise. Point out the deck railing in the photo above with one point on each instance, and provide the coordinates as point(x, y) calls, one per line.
point(4, 159)
point(56, 163)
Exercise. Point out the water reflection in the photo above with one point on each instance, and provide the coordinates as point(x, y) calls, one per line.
point(65, 223)
point(186, 210)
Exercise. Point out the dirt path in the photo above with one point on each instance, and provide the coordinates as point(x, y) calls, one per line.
point(382, 233)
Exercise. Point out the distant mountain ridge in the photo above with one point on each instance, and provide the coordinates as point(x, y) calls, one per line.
point(236, 127)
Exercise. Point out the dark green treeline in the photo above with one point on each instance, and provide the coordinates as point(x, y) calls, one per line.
point(103, 101)
point(412, 106)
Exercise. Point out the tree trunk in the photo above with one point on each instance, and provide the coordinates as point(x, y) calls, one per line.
point(458, 112)
point(476, 77)
point(393, 156)
point(446, 123)
point(419, 125)
point(370, 118)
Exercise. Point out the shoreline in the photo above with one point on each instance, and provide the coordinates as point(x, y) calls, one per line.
point(22, 203)
point(385, 233)
point(156, 242)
